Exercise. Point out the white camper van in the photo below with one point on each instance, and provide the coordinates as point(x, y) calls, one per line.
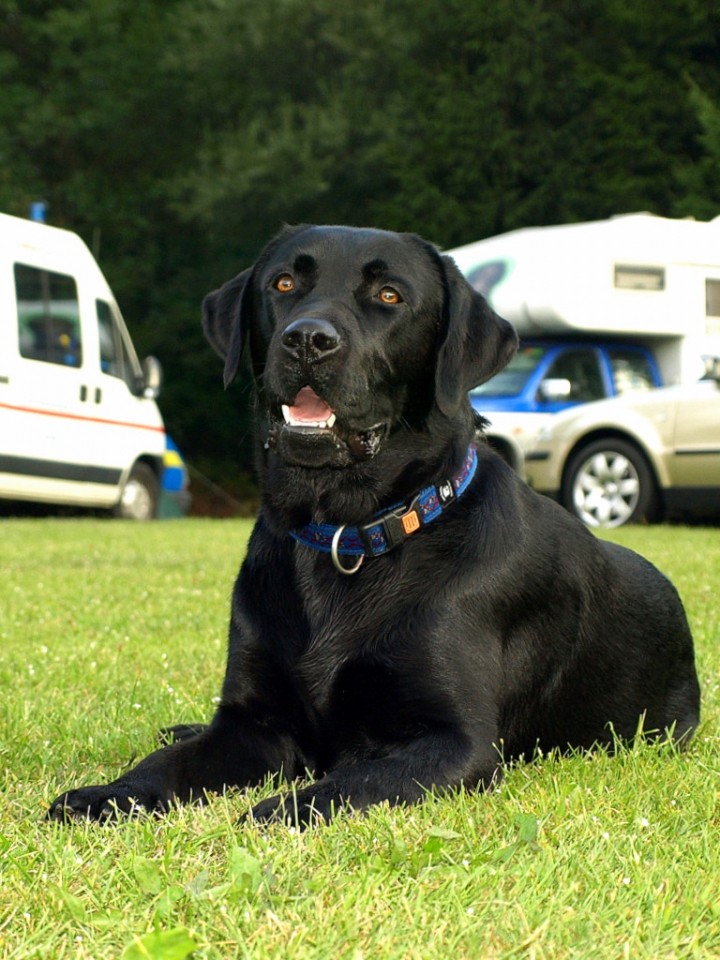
point(78, 420)
point(603, 309)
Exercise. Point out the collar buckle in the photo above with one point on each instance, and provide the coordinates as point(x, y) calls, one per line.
point(397, 525)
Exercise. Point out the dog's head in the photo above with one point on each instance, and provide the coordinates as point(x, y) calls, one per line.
point(354, 334)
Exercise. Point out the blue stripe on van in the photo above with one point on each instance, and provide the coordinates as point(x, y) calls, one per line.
point(59, 471)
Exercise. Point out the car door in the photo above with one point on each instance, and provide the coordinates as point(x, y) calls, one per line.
point(696, 460)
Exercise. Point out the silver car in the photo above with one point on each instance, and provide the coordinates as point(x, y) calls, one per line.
point(642, 456)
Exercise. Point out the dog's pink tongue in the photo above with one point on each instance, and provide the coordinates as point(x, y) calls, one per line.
point(308, 406)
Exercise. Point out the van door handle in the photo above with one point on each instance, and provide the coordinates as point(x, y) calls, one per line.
point(83, 394)
point(98, 395)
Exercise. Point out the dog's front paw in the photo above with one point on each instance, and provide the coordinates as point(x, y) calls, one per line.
point(105, 803)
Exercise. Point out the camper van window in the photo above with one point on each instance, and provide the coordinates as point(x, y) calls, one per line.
point(114, 357)
point(48, 316)
point(631, 371)
point(639, 278)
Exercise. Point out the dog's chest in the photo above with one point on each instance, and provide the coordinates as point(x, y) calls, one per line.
point(347, 625)
point(339, 634)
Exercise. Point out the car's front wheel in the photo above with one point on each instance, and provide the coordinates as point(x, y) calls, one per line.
point(609, 483)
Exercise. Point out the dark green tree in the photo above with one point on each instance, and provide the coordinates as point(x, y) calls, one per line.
point(177, 137)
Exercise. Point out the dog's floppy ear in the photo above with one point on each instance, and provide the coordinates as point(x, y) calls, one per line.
point(226, 318)
point(477, 344)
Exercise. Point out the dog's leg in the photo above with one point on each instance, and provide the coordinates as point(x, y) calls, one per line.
point(232, 751)
point(403, 776)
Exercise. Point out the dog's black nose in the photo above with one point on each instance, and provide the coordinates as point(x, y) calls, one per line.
point(310, 339)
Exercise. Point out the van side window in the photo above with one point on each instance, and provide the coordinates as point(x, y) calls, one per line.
point(631, 371)
point(114, 357)
point(48, 316)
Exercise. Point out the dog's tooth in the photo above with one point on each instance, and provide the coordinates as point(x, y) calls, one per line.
point(330, 422)
point(286, 412)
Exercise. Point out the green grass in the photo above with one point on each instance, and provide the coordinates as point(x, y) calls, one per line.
point(109, 630)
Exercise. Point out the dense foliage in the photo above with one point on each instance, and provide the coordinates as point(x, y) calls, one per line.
point(177, 136)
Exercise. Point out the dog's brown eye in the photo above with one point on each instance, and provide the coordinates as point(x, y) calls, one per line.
point(388, 295)
point(285, 283)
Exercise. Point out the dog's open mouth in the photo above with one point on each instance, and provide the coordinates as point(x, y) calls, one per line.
point(311, 434)
point(309, 410)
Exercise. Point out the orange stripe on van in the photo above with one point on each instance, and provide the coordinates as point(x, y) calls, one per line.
point(74, 416)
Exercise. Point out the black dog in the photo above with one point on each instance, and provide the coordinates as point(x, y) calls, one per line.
point(409, 612)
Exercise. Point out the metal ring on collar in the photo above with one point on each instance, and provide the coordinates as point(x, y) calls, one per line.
point(335, 557)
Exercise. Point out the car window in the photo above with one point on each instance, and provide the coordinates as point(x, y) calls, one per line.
point(581, 369)
point(510, 381)
point(631, 371)
point(48, 316)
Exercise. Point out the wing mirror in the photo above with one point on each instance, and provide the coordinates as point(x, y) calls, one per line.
point(152, 377)
point(555, 389)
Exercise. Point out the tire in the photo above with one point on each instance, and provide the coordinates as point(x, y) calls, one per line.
point(609, 483)
point(139, 497)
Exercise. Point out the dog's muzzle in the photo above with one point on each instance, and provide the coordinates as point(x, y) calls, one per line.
point(310, 434)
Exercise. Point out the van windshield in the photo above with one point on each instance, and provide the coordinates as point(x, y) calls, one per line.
point(511, 381)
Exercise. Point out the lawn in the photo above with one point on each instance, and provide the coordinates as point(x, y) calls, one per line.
point(109, 630)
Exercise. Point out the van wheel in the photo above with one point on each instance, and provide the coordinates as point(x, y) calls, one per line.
point(609, 483)
point(139, 497)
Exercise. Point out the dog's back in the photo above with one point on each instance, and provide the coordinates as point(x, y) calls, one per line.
point(611, 646)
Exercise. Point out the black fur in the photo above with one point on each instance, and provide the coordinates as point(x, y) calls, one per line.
point(502, 627)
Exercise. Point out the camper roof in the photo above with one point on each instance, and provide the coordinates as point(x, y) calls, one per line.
point(631, 274)
point(635, 236)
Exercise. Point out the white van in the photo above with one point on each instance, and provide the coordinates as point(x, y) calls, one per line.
point(78, 420)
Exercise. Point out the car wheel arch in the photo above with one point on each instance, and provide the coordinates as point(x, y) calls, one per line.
point(593, 438)
point(146, 472)
point(613, 433)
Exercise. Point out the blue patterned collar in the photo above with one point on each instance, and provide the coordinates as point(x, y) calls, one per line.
point(389, 529)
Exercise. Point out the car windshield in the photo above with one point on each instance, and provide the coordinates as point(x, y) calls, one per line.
point(510, 381)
